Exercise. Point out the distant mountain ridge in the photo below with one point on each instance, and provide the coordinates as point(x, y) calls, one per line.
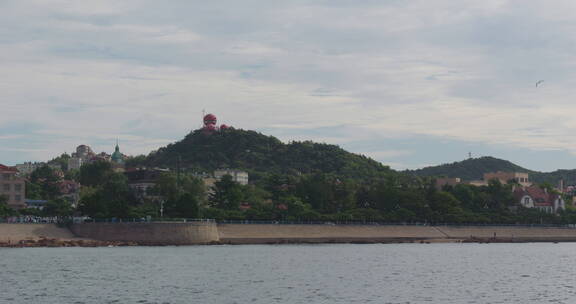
point(474, 168)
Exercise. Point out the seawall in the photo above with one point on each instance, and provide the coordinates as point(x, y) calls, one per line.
point(22, 232)
point(271, 233)
point(268, 234)
point(191, 233)
point(157, 233)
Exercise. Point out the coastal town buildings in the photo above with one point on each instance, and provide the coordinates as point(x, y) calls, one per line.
point(503, 177)
point(12, 186)
point(525, 193)
point(447, 181)
point(70, 191)
point(25, 169)
point(142, 180)
point(82, 155)
point(506, 177)
point(28, 167)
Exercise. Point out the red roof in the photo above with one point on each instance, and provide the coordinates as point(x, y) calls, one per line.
point(540, 196)
point(8, 169)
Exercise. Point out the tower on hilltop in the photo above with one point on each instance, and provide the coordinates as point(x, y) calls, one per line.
point(117, 156)
point(210, 126)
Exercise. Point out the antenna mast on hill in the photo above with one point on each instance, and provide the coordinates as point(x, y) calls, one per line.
point(469, 155)
point(202, 119)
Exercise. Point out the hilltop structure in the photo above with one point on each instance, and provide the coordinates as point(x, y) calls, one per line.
point(82, 155)
point(210, 126)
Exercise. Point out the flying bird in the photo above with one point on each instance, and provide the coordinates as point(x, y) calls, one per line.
point(539, 82)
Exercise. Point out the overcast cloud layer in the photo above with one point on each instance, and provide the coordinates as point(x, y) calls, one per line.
point(409, 83)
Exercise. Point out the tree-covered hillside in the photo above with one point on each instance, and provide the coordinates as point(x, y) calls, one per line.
point(474, 168)
point(470, 169)
point(258, 153)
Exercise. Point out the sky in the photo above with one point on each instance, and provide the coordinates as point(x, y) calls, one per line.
point(408, 83)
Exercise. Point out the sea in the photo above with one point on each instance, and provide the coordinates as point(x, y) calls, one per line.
point(332, 273)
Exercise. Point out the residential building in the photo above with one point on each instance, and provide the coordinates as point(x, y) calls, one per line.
point(142, 180)
point(447, 181)
point(540, 198)
point(70, 191)
point(478, 183)
point(238, 176)
point(82, 155)
point(74, 163)
point(12, 186)
point(28, 167)
point(506, 177)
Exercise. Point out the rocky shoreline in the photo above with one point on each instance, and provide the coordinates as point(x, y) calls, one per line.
point(50, 242)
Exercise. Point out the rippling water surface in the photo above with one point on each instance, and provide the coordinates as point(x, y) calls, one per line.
point(402, 273)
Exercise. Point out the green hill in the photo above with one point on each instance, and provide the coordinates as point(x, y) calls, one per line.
point(474, 168)
point(470, 169)
point(255, 152)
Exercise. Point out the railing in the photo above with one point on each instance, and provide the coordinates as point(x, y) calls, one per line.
point(65, 220)
point(76, 220)
point(379, 223)
point(28, 219)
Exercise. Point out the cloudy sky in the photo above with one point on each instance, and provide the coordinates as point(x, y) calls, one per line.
point(408, 83)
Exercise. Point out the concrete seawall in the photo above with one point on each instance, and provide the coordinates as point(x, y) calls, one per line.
point(21, 232)
point(270, 233)
point(263, 234)
point(191, 233)
point(157, 233)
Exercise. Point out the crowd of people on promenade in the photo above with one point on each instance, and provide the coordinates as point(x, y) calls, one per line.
point(30, 219)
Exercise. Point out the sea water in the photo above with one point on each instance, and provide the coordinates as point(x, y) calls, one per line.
point(392, 273)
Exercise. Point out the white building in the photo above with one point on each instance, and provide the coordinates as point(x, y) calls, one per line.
point(28, 167)
point(238, 176)
point(74, 163)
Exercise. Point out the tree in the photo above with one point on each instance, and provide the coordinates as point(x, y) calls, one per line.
point(95, 174)
point(227, 194)
point(447, 208)
point(44, 183)
point(187, 206)
point(182, 197)
point(57, 207)
point(61, 161)
point(4, 209)
point(112, 198)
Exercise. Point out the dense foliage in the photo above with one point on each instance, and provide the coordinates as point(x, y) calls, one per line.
point(474, 168)
point(259, 154)
point(470, 169)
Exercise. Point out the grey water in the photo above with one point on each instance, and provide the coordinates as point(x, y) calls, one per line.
point(398, 273)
